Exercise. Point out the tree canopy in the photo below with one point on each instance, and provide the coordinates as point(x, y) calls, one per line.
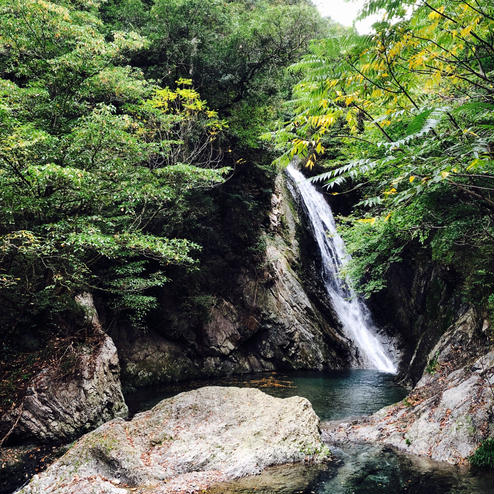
point(130, 142)
point(106, 139)
point(404, 117)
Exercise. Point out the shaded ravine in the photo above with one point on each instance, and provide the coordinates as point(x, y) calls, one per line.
point(353, 314)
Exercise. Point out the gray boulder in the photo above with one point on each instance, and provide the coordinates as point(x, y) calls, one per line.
point(187, 443)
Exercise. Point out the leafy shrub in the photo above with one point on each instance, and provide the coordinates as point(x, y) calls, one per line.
point(484, 456)
point(433, 364)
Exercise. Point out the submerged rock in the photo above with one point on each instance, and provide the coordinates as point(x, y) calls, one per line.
point(187, 443)
point(281, 479)
point(59, 408)
point(450, 411)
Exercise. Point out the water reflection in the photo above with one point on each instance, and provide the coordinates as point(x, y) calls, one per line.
point(334, 395)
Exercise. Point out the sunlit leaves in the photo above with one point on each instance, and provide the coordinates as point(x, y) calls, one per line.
point(186, 102)
point(412, 134)
point(94, 160)
point(168, 251)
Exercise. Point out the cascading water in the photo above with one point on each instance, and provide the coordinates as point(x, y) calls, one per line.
point(352, 312)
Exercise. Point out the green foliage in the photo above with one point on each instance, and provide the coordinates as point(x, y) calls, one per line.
point(432, 364)
point(111, 160)
point(92, 164)
point(403, 118)
point(374, 246)
point(234, 52)
point(229, 49)
point(484, 455)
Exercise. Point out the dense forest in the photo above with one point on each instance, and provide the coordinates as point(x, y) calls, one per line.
point(121, 123)
point(141, 141)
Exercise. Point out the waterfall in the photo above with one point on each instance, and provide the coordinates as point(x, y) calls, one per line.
point(353, 314)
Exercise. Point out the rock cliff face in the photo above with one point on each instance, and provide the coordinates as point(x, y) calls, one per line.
point(275, 318)
point(449, 412)
point(59, 404)
point(60, 408)
point(187, 443)
point(420, 302)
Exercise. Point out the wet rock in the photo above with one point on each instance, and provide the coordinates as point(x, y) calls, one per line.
point(274, 323)
point(449, 413)
point(421, 300)
point(59, 408)
point(221, 332)
point(283, 479)
point(147, 359)
point(274, 318)
point(187, 443)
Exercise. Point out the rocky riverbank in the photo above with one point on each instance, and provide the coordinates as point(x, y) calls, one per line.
point(58, 408)
point(450, 411)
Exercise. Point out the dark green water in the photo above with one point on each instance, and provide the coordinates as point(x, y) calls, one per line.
point(354, 469)
point(333, 395)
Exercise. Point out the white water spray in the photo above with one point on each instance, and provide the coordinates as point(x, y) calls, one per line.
point(351, 311)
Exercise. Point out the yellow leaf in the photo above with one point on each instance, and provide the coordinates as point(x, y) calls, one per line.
point(444, 174)
point(466, 30)
point(473, 163)
point(390, 191)
point(367, 220)
point(412, 178)
point(436, 15)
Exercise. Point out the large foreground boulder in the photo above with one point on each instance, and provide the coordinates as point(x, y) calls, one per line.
point(450, 411)
point(187, 443)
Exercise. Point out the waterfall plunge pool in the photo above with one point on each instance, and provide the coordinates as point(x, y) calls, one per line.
point(354, 469)
point(334, 395)
point(363, 469)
